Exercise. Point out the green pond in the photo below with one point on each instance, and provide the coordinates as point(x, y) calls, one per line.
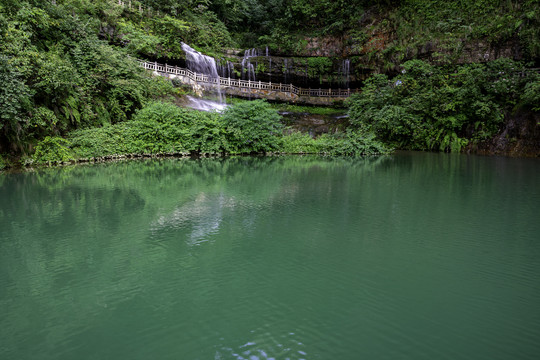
point(409, 256)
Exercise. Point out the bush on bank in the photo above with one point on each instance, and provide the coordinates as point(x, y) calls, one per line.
point(161, 127)
point(443, 108)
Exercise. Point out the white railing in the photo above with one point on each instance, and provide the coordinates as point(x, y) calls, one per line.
point(247, 84)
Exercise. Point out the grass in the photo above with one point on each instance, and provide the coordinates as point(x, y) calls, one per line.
point(318, 110)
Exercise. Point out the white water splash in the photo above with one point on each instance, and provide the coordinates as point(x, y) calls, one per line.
point(205, 105)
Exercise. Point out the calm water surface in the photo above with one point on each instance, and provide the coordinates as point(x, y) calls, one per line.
point(411, 256)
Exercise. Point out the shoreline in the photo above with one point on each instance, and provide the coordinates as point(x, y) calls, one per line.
point(19, 167)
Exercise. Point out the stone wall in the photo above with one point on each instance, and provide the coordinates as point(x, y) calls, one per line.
point(281, 96)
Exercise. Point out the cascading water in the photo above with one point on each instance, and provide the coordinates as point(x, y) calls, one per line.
point(230, 67)
point(269, 64)
point(226, 69)
point(205, 105)
point(200, 63)
point(203, 64)
point(270, 68)
point(285, 70)
point(248, 70)
point(344, 70)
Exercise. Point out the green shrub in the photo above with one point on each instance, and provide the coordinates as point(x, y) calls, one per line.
point(252, 127)
point(53, 149)
point(351, 143)
point(530, 97)
point(299, 143)
point(165, 127)
point(157, 128)
point(3, 163)
point(95, 142)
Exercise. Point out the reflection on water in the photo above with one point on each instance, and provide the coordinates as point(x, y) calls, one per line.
point(407, 256)
point(203, 215)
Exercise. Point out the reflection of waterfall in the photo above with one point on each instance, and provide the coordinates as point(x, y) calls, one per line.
point(202, 64)
point(199, 219)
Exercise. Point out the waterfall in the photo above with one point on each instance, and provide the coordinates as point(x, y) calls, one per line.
point(270, 68)
point(269, 64)
point(202, 64)
point(285, 71)
point(248, 70)
point(231, 69)
point(226, 70)
point(344, 70)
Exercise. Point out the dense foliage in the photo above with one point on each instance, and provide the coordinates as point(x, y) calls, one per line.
point(57, 75)
point(403, 26)
point(443, 108)
point(67, 66)
point(162, 128)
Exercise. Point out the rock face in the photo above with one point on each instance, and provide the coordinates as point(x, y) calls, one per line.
point(327, 46)
point(520, 136)
point(333, 62)
point(307, 72)
point(315, 124)
point(282, 96)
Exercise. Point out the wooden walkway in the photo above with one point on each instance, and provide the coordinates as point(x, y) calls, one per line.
point(245, 84)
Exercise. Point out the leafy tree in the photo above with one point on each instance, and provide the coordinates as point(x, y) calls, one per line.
point(15, 104)
point(435, 108)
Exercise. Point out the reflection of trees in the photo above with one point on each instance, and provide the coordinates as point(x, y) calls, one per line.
point(79, 242)
point(172, 239)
